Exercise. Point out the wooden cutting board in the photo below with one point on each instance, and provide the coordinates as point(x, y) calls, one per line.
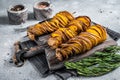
point(54, 64)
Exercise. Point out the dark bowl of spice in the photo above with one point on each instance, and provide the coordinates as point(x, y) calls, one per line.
point(17, 8)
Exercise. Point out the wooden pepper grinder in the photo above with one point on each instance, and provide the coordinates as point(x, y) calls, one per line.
point(17, 14)
point(42, 10)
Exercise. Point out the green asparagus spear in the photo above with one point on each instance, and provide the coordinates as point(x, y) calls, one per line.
point(98, 64)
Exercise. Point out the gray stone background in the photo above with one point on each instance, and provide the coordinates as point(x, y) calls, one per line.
point(104, 12)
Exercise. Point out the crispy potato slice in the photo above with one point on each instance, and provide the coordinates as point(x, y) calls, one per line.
point(63, 52)
point(67, 14)
point(90, 30)
point(77, 24)
point(98, 30)
point(63, 18)
point(89, 37)
point(104, 32)
point(31, 36)
point(85, 19)
point(53, 42)
point(73, 28)
point(86, 41)
point(58, 54)
point(79, 42)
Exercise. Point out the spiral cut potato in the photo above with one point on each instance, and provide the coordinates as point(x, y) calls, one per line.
point(60, 20)
point(62, 35)
point(93, 36)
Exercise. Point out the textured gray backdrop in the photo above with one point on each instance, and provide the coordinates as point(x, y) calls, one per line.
point(105, 12)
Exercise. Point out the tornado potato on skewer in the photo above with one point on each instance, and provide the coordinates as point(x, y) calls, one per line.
point(85, 41)
point(62, 35)
point(60, 20)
